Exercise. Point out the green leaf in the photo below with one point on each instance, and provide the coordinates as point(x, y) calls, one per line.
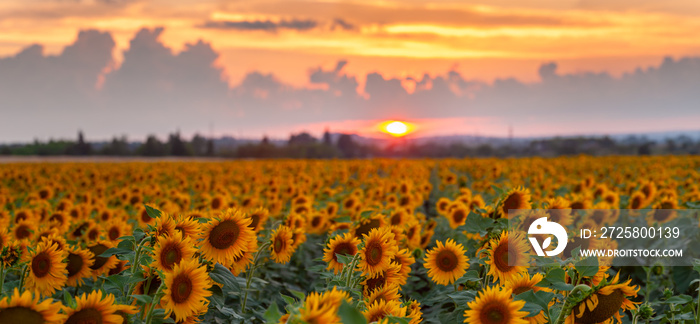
point(679, 300)
point(539, 298)
point(397, 320)
point(144, 299)
point(298, 294)
point(344, 258)
point(587, 267)
point(350, 315)
point(224, 276)
point(556, 279)
point(272, 314)
point(114, 251)
point(68, 299)
point(152, 212)
point(476, 224)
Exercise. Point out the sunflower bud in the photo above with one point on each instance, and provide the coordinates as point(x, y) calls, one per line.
point(668, 293)
point(645, 312)
point(657, 269)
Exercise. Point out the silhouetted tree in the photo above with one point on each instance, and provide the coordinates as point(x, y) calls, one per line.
point(153, 147)
point(79, 148)
point(177, 146)
point(199, 145)
point(210, 147)
point(118, 146)
point(347, 146)
point(301, 139)
point(327, 138)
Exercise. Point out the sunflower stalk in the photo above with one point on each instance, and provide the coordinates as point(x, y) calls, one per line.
point(2, 276)
point(135, 266)
point(249, 277)
point(351, 270)
point(572, 300)
point(156, 300)
point(22, 276)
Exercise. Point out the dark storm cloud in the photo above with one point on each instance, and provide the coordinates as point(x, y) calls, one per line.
point(155, 90)
point(264, 25)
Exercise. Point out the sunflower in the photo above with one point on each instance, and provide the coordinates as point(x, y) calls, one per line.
point(27, 309)
point(412, 233)
point(259, 218)
point(517, 198)
point(241, 263)
point(295, 221)
point(115, 229)
point(315, 311)
point(185, 288)
point(164, 225)
point(187, 226)
point(446, 263)
point(404, 258)
point(47, 272)
point(24, 230)
point(414, 312)
point(344, 244)
point(366, 225)
point(317, 223)
point(605, 303)
point(663, 211)
point(522, 283)
point(78, 266)
point(102, 265)
point(93, 308)
point(397, 217)
point(457, 215)
point(226, 237)
point(389, 277)
point(495, 306)
point(385, 293)
point(380, 309)
point(57, 239)
point(298, 236)
point(169, 250)
point(282, 246)
point(508, 256)
point(637, 201)
point(380, 248)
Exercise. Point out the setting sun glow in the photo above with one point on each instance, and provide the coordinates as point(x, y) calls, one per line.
point(396, 128)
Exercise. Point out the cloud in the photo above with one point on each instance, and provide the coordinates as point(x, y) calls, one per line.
point(158, 90)
point(264, 25)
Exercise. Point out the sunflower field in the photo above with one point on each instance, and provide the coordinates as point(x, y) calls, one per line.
point(340, 241)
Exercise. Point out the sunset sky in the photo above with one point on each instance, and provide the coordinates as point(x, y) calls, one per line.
point(272, 67)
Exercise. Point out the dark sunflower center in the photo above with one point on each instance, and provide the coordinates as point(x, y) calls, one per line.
point(446, 261)
point(170, 255)
point(520, 290)
point(181, 289)
point(662, 214)
point(344, 249)
point(216, 203)
point(41, 265)
point(608, 305)
point(348, 204)
point(279, 245)
point(75, 263)
point(114, 233)
point(411, 232)
point(224, 235)
point(375, 283)
point(20, 315)
point(22, 232)
point(99, 261)
point(256, 220)
point(636, 202)
point(396, 219)
point(577, 205)
point(512, 202)
point(85, 316)
point(458, 216)
point(494, 313)
point(145, 217)
point(501, 258)
point(92, 235)
point(374, 253)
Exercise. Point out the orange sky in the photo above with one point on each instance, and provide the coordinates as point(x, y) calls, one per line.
point(483, 40)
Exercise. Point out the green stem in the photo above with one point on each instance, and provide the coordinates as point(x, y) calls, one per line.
point(135, 266)
point(646, 295)
point(249, 277)
point(351, 270)
point(21, 278)
point(568, 304)
point(156, 300)
point(2, 275)
point(697, 309)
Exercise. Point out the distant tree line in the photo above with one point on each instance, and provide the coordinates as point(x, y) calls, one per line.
point(304, 145)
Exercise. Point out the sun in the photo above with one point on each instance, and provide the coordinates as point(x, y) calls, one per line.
point(395, 128)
